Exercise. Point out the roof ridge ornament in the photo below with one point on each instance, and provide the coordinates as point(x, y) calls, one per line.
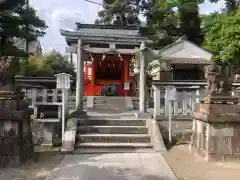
point(103, 57)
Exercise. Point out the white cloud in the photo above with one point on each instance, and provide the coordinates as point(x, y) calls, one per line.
point(64, 13)
point(63, 17)
point(208, 7)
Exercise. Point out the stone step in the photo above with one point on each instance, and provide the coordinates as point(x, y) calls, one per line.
point(109, 111)
point(113, 138)
point(100, 121)
point(96, 150)
point(101, 101)
point(113, 129)
point(111, 106)
point(109, 97)
point(96, 147)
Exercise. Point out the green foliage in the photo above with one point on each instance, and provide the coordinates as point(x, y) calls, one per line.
point(119, 12)
point(190, 21)
point(150, 59)
point(164, 20)
point(48, 65)
point(208, 20)
point(170, 18)
point(16, 21)
point(230, 5)
point(223, 38)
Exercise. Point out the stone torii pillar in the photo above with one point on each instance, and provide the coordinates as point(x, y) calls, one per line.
point(142, 86)
point(142, 83)
point(80, 76)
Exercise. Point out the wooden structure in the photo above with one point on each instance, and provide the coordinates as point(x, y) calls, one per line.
point(107, 52)
point(184, 61)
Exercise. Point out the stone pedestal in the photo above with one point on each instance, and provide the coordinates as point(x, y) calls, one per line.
point(216, 132)
point(15, 132)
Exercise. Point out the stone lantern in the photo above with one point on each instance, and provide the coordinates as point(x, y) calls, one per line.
point(63, 83)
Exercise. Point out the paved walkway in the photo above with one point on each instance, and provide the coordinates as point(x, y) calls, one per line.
point(124, 166)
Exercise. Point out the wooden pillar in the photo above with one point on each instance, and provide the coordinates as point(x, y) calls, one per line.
point(86, 90)
point(126, 73)
point(93, 77)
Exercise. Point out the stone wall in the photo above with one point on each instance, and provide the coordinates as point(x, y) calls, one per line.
point(216, 132)
point(15, 141)
point(15, 131)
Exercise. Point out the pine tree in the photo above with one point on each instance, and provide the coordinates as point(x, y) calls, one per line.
point(15, 18)
point(120, 12)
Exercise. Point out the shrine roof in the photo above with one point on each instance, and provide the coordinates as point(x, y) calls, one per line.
point(103, 33)
point(176, 60)
point(101, 26)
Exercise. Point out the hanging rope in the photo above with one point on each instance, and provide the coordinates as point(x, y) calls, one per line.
point(109, 50)
point(90, 54)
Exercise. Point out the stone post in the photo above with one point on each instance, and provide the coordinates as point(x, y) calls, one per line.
point(157, 101)
point(142, 84)
point(80, 76)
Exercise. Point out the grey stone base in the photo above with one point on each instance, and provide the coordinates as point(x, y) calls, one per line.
point(78, 114)
point(141, 115)
point(156, 136)
point(69, 135)
point(216, 141)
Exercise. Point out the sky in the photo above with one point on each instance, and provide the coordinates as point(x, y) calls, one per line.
point(62, 14)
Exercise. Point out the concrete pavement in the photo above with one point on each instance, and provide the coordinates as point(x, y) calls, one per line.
point(120, 166)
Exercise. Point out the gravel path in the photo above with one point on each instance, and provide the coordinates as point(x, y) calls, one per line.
point(188, 166)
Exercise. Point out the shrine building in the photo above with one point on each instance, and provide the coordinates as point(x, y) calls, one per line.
point(105, 56)
point(106, 53)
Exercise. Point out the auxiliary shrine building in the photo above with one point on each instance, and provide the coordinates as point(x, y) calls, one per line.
point(105, 63)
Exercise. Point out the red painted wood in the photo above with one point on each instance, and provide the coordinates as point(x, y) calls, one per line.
point(92, 85)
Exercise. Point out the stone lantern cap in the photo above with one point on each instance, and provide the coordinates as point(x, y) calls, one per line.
point(63, 81)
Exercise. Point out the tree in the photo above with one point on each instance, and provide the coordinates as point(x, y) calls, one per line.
point(16, 21)
point(173, 19)
point(163, 22)
point(190, 21)
point(59, 63)
point(230, 5)
point(48, 65)
point(208, 20)
point(120, 12)
point(223, 38)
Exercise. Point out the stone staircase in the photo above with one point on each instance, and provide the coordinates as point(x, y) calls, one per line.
point(104, 134)
point(110, 103)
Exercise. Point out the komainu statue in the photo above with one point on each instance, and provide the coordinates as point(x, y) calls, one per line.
point(8, 68)
point(219, 84)
point(213, 78)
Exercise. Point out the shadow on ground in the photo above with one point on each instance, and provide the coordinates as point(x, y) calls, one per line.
point(178, 138)
point(95, 167)
point(37, 169)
